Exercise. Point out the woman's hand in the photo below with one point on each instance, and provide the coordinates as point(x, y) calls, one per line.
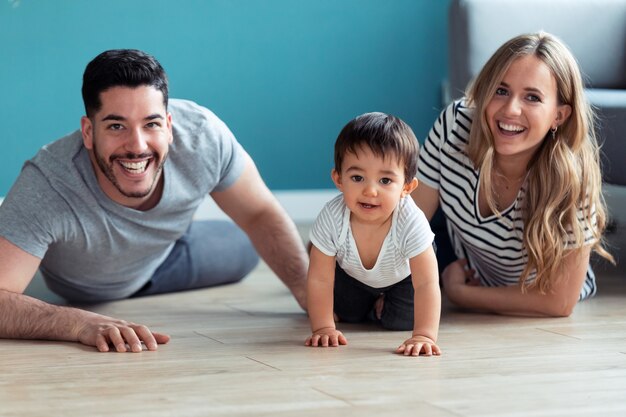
point(456, 276)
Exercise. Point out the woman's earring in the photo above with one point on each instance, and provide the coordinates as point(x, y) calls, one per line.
point(553, 130)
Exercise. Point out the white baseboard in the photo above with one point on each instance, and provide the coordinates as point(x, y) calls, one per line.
point(304, 205)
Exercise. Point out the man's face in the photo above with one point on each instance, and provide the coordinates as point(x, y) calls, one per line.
point(128, 141)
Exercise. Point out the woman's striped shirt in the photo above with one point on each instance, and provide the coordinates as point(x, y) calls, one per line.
point(492, 245)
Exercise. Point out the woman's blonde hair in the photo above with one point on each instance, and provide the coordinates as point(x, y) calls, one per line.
point(564, 174)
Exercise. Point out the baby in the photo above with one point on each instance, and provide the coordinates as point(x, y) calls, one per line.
point(372, 254)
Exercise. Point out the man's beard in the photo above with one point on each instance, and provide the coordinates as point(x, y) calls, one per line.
point(107, 169)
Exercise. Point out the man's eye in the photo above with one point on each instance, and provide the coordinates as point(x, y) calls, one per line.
point(356, 178)
point(153, 125)
point(385, 181)
point(116, 126)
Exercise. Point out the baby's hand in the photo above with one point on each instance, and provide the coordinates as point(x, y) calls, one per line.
point(326, 336)
point(419, 345)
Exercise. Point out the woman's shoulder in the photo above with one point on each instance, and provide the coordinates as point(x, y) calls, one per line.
point(462, 112)
point(453, 127)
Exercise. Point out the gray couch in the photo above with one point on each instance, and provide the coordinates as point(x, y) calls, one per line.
point(595, 31)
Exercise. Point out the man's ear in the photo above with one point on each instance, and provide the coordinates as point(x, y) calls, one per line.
point(409, 187)
point(86, 128)
point(336, 179)
point(169, 127)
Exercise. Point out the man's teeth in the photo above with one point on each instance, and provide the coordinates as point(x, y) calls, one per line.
point(510, 128)
point(135, 167)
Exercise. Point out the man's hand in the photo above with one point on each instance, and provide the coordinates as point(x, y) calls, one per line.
point(417, 345)
point(327, 336)
point(102, 332)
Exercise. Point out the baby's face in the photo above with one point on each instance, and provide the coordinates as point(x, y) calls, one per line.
point(371, 185)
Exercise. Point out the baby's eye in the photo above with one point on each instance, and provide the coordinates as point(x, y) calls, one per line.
point(386, 181)
point(356, 178)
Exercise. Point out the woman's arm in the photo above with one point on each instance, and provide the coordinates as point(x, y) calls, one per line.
point(510, 300)
point(427, 199)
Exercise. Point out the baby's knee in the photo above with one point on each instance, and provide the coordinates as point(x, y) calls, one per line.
point(396, 318)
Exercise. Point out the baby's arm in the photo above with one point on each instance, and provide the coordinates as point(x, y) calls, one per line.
point(320, 286)
point(427, 306)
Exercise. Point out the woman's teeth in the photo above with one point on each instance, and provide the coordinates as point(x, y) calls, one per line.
point(510, 128)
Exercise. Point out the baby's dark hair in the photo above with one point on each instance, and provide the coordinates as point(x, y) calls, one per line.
point(385, 135)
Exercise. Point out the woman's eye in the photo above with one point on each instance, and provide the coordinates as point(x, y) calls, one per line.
point(501, 91)
point(532, 97)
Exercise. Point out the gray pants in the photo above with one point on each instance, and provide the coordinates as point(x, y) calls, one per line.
point(210, 253)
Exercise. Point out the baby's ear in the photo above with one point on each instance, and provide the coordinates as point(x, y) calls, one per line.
point(336, 178)
point(409, 187)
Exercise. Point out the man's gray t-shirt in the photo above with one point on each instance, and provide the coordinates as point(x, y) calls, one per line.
point(95, 249)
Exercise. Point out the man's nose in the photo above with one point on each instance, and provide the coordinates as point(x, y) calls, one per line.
point(137, 141)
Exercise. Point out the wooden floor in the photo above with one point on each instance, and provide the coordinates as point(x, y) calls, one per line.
point(238, 351)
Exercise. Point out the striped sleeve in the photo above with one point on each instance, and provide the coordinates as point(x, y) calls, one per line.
point(587, 222)
point(428, 163)
point(415, 235)
point(325, 231)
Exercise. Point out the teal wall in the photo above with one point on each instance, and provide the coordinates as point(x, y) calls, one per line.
point(285, 75)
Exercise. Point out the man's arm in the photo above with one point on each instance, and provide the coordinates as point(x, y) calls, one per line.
point(274, 235)
point(24, 317)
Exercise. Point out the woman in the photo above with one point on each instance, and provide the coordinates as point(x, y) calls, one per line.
point(515, 169)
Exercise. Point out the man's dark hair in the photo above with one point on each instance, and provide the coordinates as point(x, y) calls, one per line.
point(387, 136)
point(121, 68)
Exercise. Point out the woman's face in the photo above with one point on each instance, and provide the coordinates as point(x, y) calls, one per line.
point(524, 108)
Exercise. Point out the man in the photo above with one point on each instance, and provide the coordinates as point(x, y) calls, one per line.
point(106, 212)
